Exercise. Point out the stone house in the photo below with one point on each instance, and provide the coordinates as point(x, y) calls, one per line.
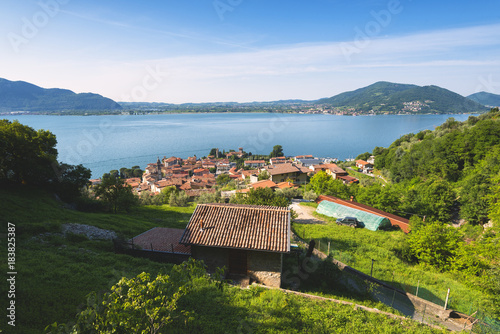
point(248, 240)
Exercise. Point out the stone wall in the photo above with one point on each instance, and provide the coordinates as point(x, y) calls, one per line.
point(265, 267)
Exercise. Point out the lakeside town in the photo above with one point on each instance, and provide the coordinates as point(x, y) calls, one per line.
point(235, 172)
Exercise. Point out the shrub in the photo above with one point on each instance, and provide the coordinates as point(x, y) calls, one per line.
point(180, 199)
point(310, 195)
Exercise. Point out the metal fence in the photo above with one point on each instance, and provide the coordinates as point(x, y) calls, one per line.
point(476, 319)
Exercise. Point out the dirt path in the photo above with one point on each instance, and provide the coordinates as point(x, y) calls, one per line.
point(305, 214)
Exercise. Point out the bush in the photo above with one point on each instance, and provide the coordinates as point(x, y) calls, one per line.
point(290, 192)
point(178, 199)
point(310, 195)
point(209, 198)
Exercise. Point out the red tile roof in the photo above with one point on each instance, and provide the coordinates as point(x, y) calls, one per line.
point(254, 162)
point(348, 178)
point(362, 162)
point(252, 227)
point(162, 239)
point(283, 169)
point(263, 184)
point(283, 185)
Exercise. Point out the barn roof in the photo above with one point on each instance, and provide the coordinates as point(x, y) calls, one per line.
point(252, 227)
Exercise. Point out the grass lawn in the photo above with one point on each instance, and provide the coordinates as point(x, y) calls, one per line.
point(357, 248)
point(54, 274)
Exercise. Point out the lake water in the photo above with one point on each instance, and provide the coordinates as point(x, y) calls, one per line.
point(103, 143)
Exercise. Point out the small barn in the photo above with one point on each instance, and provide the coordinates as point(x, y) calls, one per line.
point(369, 221)
point(248, 240)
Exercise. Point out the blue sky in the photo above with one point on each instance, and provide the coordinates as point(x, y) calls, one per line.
point(248, 50)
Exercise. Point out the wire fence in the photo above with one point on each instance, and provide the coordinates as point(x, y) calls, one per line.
point(479, 321)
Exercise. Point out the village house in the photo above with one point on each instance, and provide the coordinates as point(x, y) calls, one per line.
point(309, 156)
point(254, 163)
point(172, 161)
point(308, 162)
point(201, 172)
point(248, 240)
point(365, 166)
point(283, 172)
point(223, 166)
point(277, 160)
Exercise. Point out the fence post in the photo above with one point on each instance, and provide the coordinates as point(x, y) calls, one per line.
point(447, 296)
point(319, 245)
point(371, 271)
point(418, 284)
point(328, 247)
point(394, 295)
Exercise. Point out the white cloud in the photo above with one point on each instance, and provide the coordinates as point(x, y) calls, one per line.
point(289, 71)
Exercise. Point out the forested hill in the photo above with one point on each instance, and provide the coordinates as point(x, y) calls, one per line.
point(488, 99)
point(403, 98)
point(462, 157)
point(23, 96)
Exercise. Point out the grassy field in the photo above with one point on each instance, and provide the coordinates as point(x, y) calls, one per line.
point(56, 273)
point(357, 248)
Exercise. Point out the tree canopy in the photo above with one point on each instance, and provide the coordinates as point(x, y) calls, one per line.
point(29, 156)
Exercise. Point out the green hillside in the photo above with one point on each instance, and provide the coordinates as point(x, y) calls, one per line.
point(387, 97)
point(487, 99)
point(23, 96)
point(56, 273)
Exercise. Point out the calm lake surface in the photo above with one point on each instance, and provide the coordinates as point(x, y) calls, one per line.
point(103, 143)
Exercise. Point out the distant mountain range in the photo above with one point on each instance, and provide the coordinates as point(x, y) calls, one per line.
point(379, 98)
point(488, 99)
point(23, 96)
point(388, 97)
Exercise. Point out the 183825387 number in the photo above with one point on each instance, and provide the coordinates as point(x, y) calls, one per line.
point(11, 245)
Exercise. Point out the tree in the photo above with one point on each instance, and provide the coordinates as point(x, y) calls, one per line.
point(310, 195)
point(289, 193)
point(223, 179)
point(265, 196)
point(209, 198)
point(115, 193)
point(364, 156)
point(277, 151)
point(178, 199)
point(71, 180)
point(324, 184)
point(435, 243)
point(264, 175)
point(26, 155)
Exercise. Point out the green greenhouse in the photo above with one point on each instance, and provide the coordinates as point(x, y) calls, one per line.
point(369, 220)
